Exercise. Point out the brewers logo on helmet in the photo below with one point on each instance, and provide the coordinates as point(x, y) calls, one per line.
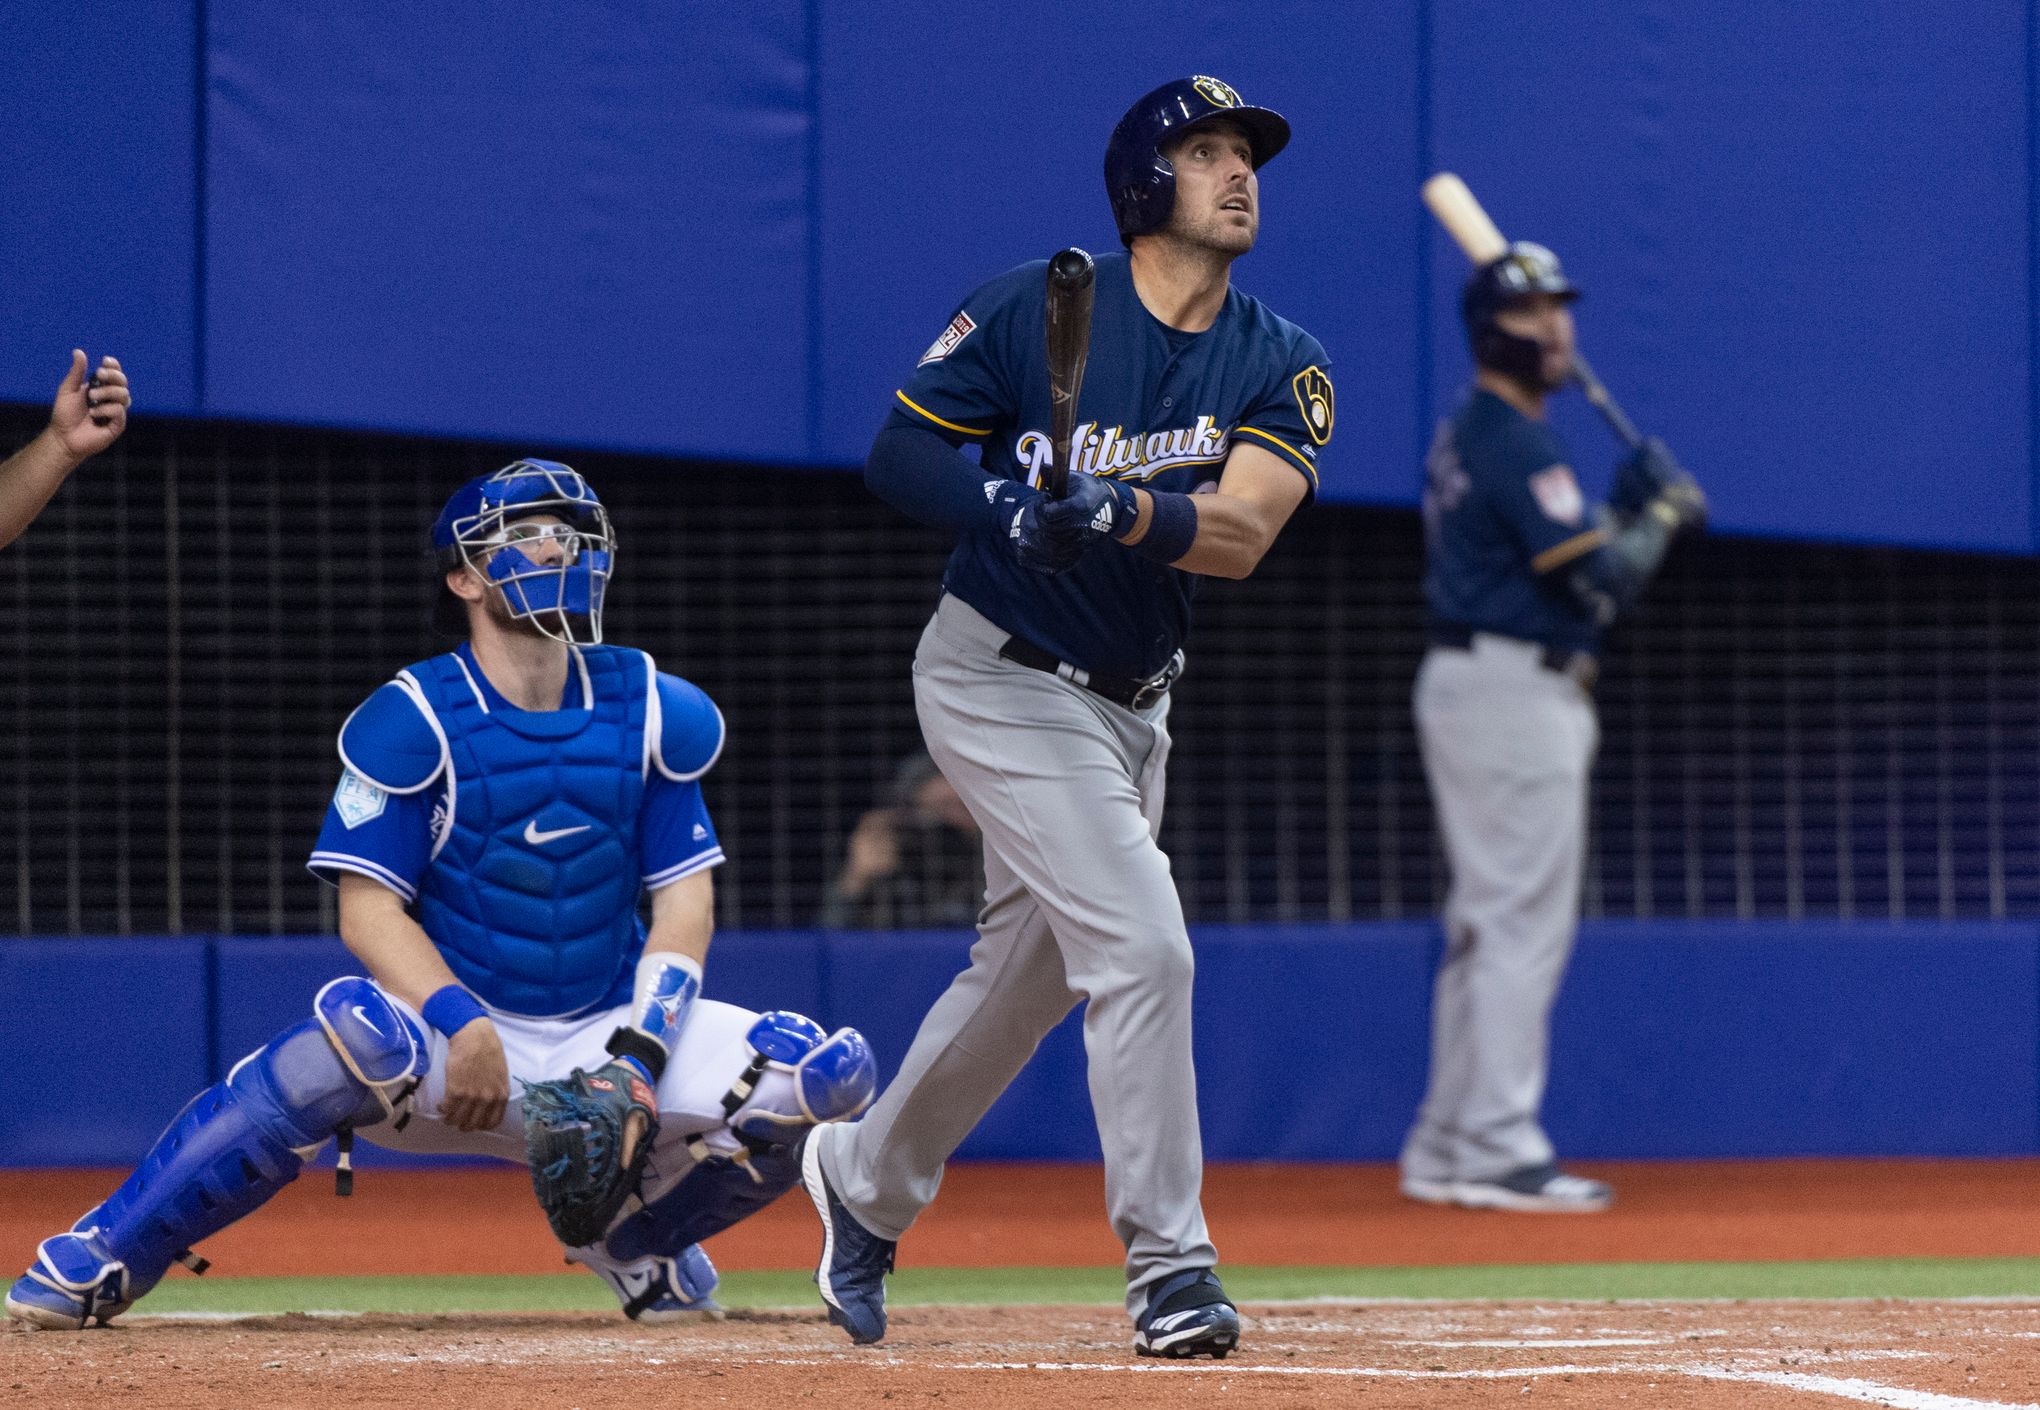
point(1140, 180)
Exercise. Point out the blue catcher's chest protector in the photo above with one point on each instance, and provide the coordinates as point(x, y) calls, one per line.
point(533, 895)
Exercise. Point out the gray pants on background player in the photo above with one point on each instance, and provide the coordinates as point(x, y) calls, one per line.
point(1079, 906)
point(1507, 745)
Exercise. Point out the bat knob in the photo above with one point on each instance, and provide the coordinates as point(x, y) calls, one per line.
point(1072, 268)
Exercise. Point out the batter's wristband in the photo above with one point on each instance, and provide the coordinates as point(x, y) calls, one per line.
point(1172, 527)
point(452, 1009)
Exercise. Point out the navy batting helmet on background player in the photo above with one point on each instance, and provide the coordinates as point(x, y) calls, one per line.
point(1522, 576)
point(1043, 680)
point(502, 810)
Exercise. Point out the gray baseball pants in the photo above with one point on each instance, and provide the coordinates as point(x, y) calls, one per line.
point(1079, 907)
point(1507, 747)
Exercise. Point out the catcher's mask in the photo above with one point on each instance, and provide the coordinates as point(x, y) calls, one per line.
point(552, 575)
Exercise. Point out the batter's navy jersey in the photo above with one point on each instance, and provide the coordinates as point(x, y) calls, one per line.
point(1159, 408)
point(1503, 514)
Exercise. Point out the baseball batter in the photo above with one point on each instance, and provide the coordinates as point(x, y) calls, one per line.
point(1042, 684)
point(502, 809)
point(1522, 578)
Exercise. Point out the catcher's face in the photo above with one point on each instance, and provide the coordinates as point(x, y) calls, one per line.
point(544, 541)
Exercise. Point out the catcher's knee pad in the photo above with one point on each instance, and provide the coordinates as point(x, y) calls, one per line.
point(798, 1077)
point(240, 1141)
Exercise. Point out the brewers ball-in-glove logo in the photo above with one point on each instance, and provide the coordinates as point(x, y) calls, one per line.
point(1314, 399)
point(1217, 90)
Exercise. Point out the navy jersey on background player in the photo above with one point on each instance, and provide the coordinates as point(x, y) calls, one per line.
point(1503, 512)
point(1159, 408)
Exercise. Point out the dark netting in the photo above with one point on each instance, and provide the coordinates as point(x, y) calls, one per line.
point(1788, 730)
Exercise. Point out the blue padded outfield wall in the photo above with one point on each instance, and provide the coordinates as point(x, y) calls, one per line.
point(1673, 1040)
point(1808, 232)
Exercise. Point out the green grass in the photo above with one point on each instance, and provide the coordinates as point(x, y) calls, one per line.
point(1881, 1277)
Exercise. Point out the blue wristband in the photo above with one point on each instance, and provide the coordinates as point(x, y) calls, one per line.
point(452, 1009)
point(1172, 527)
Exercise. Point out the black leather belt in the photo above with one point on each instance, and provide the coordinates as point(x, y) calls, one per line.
point(1575, 665)
point(1136, 695)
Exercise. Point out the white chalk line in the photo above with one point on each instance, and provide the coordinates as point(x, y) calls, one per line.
point(1556, 1343)
point(1847, 1388)
point(1276, 1303)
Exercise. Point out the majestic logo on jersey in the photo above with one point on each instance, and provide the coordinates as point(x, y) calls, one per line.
point(960, 327)
point(1314, 399)
point(1217, 90)
point(1113, 453)
point(357, 800)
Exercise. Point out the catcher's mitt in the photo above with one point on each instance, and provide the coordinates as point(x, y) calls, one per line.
point(574, 1137)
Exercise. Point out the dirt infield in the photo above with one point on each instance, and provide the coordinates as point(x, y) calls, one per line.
point(1918, 1356)
point(483, 1220)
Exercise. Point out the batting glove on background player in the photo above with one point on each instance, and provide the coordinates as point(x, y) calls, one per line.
point(1654, 474)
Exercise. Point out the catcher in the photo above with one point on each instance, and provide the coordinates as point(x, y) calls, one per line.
point(502, 810)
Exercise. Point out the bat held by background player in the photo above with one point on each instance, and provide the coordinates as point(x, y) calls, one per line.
point(1463, 217)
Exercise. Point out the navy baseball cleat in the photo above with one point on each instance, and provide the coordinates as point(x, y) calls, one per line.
point(72, 1281)
point(1188, 1314)
point(854, 1262)
point(657, 1290)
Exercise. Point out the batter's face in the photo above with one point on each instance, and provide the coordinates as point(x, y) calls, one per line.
point(1548, 320)
point(1218, 197)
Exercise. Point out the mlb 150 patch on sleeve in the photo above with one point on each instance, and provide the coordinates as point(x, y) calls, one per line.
point(959, 328)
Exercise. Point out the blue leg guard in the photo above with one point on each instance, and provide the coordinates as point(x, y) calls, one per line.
point(709, 1199)
point(237, 1143)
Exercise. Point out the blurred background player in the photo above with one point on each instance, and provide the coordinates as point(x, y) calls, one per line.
point(1522, 578)
point(915, 864)
point(1042, 685)
point(503, 809)
point(87, 417)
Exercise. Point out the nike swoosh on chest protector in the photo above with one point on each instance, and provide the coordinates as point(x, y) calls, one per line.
point(539, 839)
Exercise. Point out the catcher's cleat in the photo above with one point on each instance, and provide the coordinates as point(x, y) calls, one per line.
point(854, 1262)
point(73, 1281)
point(657, 1291)
point(1188, 1314)
point(1535, 1189)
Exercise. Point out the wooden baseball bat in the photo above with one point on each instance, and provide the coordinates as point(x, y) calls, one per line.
point(1467, 223)
point(1072, 285)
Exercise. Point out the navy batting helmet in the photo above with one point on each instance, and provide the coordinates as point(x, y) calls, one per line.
point(1524, 269)
point(1138, 177)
